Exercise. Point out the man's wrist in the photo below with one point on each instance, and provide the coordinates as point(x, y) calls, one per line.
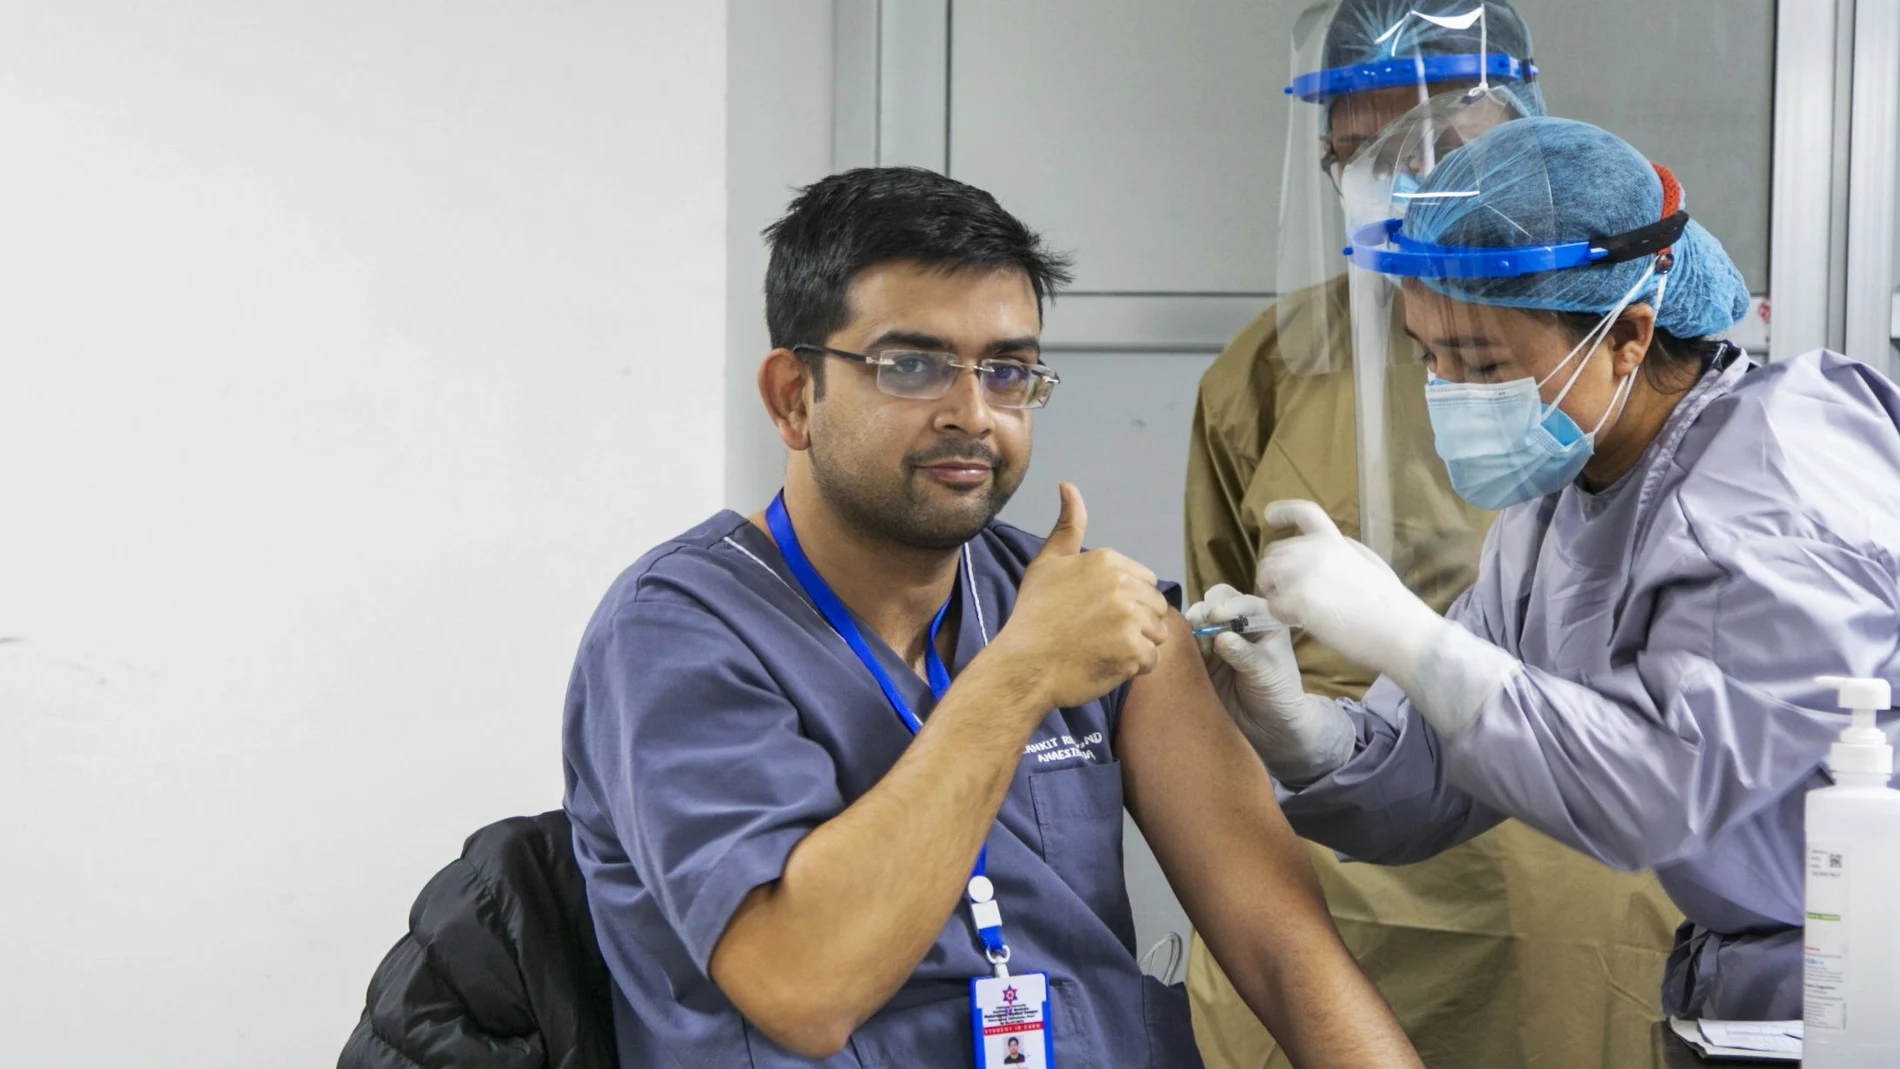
point(1015, 681)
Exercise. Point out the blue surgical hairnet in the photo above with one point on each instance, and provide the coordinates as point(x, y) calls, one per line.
point(1546, 181)
point(1358, 35)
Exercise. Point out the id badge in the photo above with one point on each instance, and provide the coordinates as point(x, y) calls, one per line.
point(1011, 1018)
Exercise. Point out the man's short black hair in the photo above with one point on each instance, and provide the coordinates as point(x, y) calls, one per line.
point(841, 225)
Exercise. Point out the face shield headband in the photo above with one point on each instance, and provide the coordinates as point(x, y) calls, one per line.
point(1320, 87)
point(1383, 248)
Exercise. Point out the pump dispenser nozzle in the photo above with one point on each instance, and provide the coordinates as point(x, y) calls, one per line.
point(1862, 750)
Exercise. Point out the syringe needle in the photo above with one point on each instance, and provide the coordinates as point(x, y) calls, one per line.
point(1239, 625)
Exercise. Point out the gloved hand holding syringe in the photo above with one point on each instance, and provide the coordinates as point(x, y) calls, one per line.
point(1205, 618)
point(1301, 736)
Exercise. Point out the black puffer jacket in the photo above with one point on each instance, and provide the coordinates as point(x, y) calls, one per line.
point(500, 969)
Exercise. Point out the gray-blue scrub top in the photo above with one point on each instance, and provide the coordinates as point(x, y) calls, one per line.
point(714, 718)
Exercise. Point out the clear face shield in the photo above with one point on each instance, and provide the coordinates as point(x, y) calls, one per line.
point(1309, 274)
point(1500, 400)
point(1357, 65)
point(1409, 512)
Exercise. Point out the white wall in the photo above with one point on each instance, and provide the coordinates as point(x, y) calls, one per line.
point(347, 351)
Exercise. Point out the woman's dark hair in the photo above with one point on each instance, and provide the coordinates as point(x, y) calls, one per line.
point(1671, 364)
point(841, 225)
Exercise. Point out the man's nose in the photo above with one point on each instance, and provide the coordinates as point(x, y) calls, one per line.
point(964, 406)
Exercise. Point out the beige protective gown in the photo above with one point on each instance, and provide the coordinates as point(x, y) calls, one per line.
point(1510, 951)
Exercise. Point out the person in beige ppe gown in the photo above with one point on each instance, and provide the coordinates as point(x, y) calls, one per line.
point(1510, 950)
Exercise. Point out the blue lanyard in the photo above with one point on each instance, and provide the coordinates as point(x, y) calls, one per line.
point(839, 618)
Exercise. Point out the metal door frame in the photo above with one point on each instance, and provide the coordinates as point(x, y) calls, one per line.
point(1872, 301)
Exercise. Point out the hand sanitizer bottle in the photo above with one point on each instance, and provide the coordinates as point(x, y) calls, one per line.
point(1851, 945)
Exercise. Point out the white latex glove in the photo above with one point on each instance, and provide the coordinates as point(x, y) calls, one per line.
point(1343, 593)
point(1301, 737)
point(1351, 600)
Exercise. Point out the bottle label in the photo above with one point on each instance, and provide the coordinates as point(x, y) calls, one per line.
point(1824, 939)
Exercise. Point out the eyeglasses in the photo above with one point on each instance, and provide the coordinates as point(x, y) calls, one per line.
point(925, 376)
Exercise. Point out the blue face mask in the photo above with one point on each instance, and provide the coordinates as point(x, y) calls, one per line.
point(1502, 444)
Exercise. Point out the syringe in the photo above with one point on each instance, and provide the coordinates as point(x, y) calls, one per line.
point(1239, 625)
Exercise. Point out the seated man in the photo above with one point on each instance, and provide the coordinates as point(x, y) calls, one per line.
point(792, 738)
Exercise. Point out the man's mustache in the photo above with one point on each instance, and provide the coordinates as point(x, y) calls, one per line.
point(969, 452)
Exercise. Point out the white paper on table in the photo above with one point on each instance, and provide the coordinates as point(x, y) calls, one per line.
point(1773, 1037)
point(1769, 1041)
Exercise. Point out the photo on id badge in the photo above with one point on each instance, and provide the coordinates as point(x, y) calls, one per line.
point(1011, 1018)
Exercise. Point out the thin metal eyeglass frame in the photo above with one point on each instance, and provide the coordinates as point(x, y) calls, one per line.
point(1042, 373)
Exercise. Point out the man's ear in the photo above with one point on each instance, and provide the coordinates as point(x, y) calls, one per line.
point(1629, 338)
point(785, 385)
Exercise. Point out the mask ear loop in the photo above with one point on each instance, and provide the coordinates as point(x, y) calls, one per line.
point(1593, 339)
point(1659, 266)
point(1628, 385)
point(1622, 400)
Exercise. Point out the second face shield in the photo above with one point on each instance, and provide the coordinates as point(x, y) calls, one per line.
point(1347, 384)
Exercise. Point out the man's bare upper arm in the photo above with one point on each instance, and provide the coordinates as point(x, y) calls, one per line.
point(1206, 805)
point(1183, 760)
